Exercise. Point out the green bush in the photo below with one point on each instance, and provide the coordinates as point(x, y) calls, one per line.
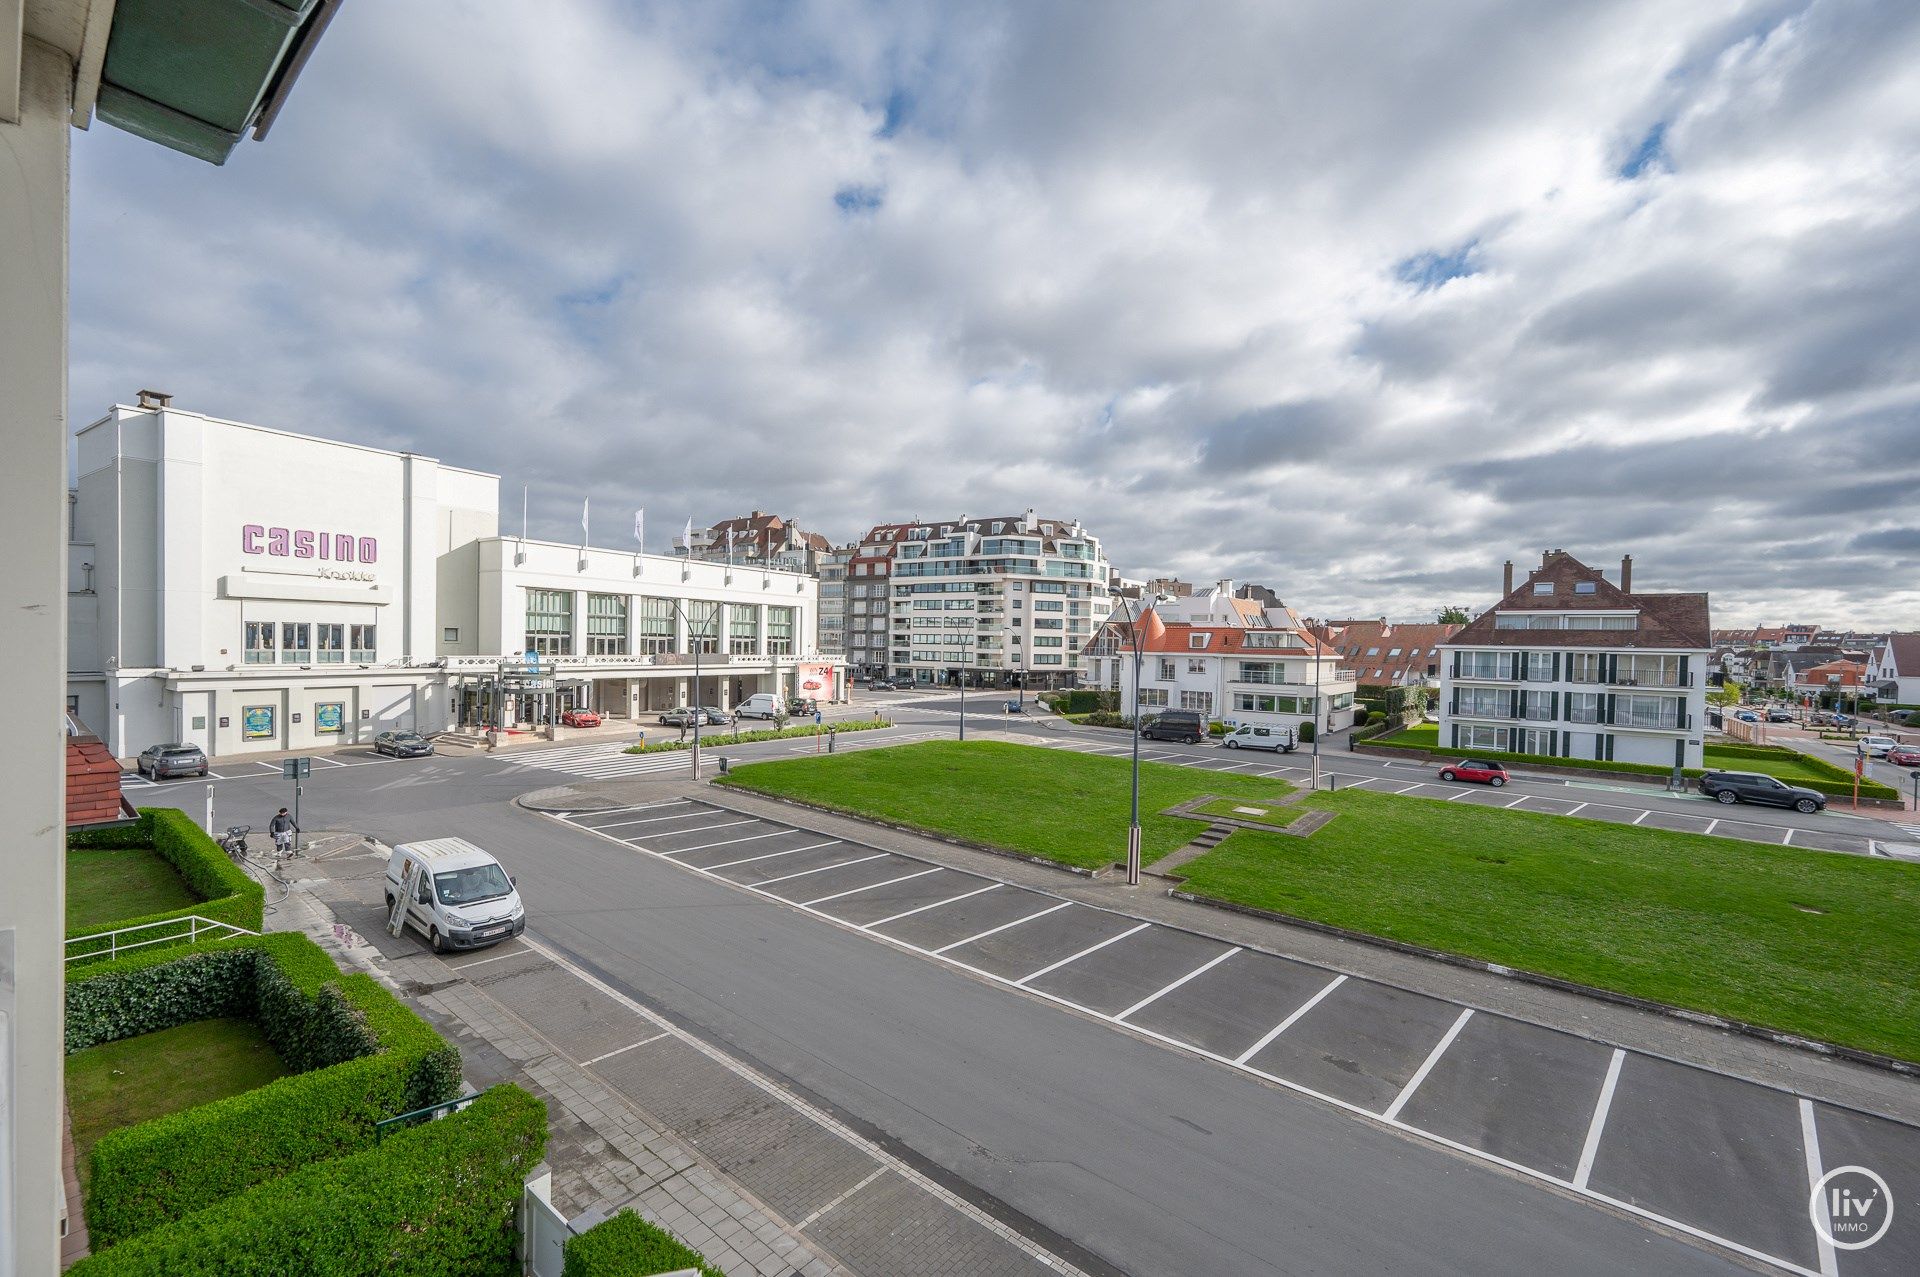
point(1079, 700)
point(359, 1055)
point(1360, 715)
point(712, 737)
point(227, 892)
point(1306, 734)
point(1216, 728)
point(628, 1246)
point(434, 1201)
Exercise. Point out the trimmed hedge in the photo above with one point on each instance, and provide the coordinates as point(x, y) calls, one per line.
point(712, 738)
point(1838, 781)
point(227, 892)
point(359, 1055)
point(1077, 700)
point(628, 1246)
point(434, 1201)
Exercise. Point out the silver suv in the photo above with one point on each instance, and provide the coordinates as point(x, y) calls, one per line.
point(163, 762)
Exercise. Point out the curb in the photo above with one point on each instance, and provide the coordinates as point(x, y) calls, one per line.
point(1001, 852)
point(1814, 1046)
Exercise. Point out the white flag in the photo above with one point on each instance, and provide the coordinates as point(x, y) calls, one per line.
point(640, 528)
point(583, 520)
point(729, 544)
point(686, 538)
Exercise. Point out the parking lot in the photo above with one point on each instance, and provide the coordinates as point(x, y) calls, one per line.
point(1707, 1154)
point(1589, 802)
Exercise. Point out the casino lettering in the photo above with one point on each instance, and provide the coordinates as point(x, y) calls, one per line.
point(305, 543)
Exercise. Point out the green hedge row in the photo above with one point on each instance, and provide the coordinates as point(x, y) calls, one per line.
point(628, 1246)
point(227, 892)
point(713, 738)
point(434, 1201)
point(1076, 700)
point(1840, 784)
point(359, 1055)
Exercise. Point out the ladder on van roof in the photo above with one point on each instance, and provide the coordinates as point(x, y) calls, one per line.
point(409, 881)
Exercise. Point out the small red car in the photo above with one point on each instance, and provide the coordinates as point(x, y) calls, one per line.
point(1475, 769)
point(1904, 756)
point(579, 718)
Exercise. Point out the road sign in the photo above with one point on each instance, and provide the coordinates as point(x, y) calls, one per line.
point(296, 768)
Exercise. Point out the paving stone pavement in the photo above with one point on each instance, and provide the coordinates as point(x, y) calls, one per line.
point(641, 1117)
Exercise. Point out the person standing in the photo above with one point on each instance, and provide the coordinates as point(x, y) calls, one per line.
point(282, 828)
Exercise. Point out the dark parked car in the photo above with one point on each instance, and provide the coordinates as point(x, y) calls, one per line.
point(1176, 724)
point(1489, 773)
point(402, 744)
point(163, 762)
point(1779, 716)
point(881, 685)
point(1754, 787)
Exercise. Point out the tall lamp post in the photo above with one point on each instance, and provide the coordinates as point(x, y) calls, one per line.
point(962, 676)
point(1133, 817)
point(1316, 713)
point(699, 711)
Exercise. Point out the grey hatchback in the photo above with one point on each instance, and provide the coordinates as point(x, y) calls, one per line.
point(163, 762)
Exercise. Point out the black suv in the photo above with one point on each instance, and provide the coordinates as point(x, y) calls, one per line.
point(163, 762)
point(1176, 724)
point(1753, 787)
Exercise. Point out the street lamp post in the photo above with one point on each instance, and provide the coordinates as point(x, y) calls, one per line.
point(699, 712)
point(962, 676)
point(1133, 817)
point(1317, 718)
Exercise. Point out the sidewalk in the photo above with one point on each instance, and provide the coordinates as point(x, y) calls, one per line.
point(644, 1115)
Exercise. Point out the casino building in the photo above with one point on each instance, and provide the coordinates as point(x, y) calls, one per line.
point(251, 590)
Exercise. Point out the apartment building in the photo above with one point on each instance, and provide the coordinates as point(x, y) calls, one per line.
point(1006, 602)
point(1572, 665)
point(1267, 676)
point(1893, 669)
point(831, 571)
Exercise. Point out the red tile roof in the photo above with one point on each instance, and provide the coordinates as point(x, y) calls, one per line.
point(93, 782)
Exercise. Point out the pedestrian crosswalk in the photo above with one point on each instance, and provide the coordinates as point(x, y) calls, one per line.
point(1911, 831)
point(606, 760)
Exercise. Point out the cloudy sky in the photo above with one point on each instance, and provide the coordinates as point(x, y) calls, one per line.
point(1356, 299)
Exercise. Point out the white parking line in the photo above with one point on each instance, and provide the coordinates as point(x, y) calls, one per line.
point(576, 817)
point(701, 829)
point(1810, 1142)
point(1409, 789)
point(651, 820)
point(1591, 1148)
point(1516, 802)
point(1426, 1066)
point(1580, 807)
point(726, 842)
point(823, 868)
point(935, 905)
point(871, 886)
point(1092, 948)
point(1642, 816)
point(1354, 782)
point(1456, 797)
point(481, 962)
point(1288, 1023)
point(1786, 837)
point(1711, 826)
point(994, 931)
point(622, 1050)
point(1151, 998)
point(769, 856)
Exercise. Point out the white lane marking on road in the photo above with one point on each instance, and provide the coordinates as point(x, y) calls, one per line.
point(1406, 789)
point(275, 768)
point(1810, 1143)
point(1426, 1066)
point(695, 829)
point(587, 1064)
point(1235, 767)
point(814, 1218)
point(1642, 816)
point(1786, 837)
point(1092, 948)
point(1711, 826)
point(1456, 797)
point(908, 913)
point(1578, 807)
point(727, 842)
point(870, 887)
point(1354, 782)
point(1516, 802)
point(882, 855)
point(1591, 1149)
point(1155, 996)
point(994, 931)
point(1288, 1023)
point(714, 869)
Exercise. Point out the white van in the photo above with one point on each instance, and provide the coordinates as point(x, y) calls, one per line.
point(758, 705)
point(1279, 739)
point(457, 895)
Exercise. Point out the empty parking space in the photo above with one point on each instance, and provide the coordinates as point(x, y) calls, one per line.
point(1821, 840)
point(1723, 1158)
point(1749, 831)
point(1677, 822)
point(1552, 806)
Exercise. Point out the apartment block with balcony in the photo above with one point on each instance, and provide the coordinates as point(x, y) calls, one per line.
point(1572, 665)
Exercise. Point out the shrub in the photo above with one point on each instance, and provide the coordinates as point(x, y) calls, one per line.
point(1360, 715)
point(1216, 728)
point(227, 892)
point(1306, 734)
point(711, 737)
point(1105, 718)
point(434, 1201)
point(628, 1246)
point(360, 1056)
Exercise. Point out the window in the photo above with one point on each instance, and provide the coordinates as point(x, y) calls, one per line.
point(654, 627)
point(1373, 651)
point(1271, 638)
point(743, 629)
point(1481, 665)
point(1483, 702)
point(1393, 651)
point(448, 634)
point(333, 643)
point(1267, 672)
point(1543, 587)
point(1048, 640)
point(1585, 667)
point(1202, 701)
point(1153, 698)
point(1048, 605)
point(1260, 703)
point(606, 625)
point(296, 643)
point(1196, 667)
point(1166, 671)
point(1647, 711)
point(1583, 707)
point(550, 622)
point(1585, 587)
point(1046, 660)
point(1539, 667)
point(1199, 640)
point(1647, 671)
point(703, 626)
point(260, 642)
point(1488, 738)
point(780, 631)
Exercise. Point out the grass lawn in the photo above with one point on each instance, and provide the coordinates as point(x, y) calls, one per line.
point(1422, 735)
point(1039, 802)
point(1255, 813)
point(107, 885)
point(1787, 765)
point(1809, 942)
point(135, 1079)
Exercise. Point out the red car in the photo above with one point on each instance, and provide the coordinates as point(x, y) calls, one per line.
point(1475, 769)
point(1904, 756)
point(579, 718)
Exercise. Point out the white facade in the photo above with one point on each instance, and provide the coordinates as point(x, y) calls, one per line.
point(1257, 677)
point(250, 590)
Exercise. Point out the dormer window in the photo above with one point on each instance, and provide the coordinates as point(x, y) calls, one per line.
point(1586, 587)
point(1197, 641)
point(1543, 587)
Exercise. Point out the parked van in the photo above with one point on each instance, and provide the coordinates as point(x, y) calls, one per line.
point(457, 895)
point(1249, 737)
point(1175, 724)
point(758, 705)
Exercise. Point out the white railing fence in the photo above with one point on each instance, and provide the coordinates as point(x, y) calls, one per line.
point(192, 929)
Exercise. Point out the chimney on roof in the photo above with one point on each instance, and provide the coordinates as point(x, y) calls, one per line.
point(1506, 585)
point(1626, 574)
point(152, 399)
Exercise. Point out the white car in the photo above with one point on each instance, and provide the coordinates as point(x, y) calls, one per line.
point(1877, 746)
point(1278, 739)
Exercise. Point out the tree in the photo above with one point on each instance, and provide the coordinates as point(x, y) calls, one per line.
point(1453, 614)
